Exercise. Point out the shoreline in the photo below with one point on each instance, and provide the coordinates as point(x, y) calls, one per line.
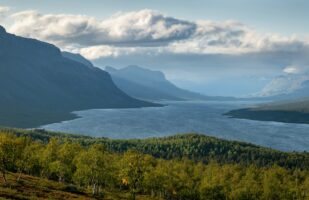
point(36, 119)
point(293, 117)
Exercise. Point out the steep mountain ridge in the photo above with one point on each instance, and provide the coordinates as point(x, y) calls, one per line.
point(38, 85)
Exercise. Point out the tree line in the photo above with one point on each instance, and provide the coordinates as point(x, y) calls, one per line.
point(196, 147)
point(95, 168)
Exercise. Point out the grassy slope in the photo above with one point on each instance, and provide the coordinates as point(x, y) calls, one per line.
point(35, 188)
point(288, 112)
point(30, 188)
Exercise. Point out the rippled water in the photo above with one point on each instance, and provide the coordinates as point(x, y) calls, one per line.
point(182, 117)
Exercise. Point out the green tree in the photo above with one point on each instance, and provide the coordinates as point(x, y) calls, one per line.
point(212, 183)
point(249, 185)
point(275, 184)
point(48, 156)
point(30, 160)
point(93, 168)
point(63, 167)
point(133, 169)
point(8, 153)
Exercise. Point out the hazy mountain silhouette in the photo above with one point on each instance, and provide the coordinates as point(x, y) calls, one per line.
point(301, 92)
point(39, 85)
point(285, 87)
point(142, 83)
point(152, 85)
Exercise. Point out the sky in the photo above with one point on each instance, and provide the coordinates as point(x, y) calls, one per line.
point(215, 47)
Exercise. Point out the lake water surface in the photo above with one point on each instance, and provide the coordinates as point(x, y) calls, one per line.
point(183, 117)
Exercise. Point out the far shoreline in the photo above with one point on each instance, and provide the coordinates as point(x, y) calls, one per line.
point(294, 117)
point(36, 119)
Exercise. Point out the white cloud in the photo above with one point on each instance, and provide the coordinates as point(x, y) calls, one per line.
point(102, 51)
point(283, 85)
point(291, 81)
point(142, 28)
point(291, 70)
point(95, 52)
point(4, 9)
point(148, 31)
point(3, 12)
point(217, 37)
point(232, 37)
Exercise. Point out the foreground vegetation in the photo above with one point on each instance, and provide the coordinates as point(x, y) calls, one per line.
point(115, 169)
point(199, 148)
point(33, 188)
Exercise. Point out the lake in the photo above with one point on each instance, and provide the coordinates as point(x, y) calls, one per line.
point(183, 117)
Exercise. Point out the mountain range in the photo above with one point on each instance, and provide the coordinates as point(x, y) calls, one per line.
point(39, 84)
point(152, 85)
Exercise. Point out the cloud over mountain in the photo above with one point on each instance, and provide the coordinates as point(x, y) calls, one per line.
point(176, 46)
point(293, 79)
point(141, 28)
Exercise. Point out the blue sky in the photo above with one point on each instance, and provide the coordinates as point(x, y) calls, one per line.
point(216, 47)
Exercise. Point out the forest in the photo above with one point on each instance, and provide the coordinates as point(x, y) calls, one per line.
point(98, 166)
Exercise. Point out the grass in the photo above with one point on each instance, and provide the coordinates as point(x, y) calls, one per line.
point(29, 187)
point(34, 188)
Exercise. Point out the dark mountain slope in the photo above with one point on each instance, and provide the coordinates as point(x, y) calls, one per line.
point(38, 85)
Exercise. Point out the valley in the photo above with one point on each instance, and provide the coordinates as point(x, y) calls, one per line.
point(154, 100)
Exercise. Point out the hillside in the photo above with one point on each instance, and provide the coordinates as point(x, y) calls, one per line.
point(296, 111)
point(39, 86)
point(80, 167)
point(31, 187)
point(193, 146)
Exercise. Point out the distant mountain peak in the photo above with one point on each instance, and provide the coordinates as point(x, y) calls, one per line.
point(110, 69)
point(136, 67)
point(145, 83)
point(137, 72)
